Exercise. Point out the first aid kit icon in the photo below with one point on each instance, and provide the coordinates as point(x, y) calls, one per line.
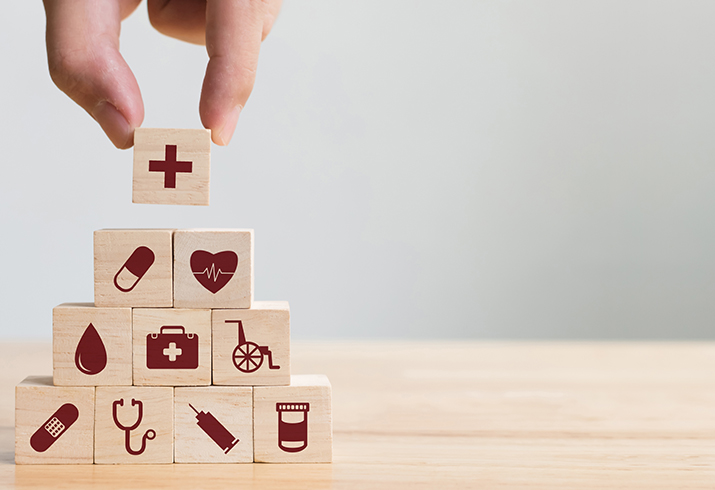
point(172, 348)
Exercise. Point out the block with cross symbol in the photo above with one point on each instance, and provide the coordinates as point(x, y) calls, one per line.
point(171, 166)
point(53, 424)
point(172, 347)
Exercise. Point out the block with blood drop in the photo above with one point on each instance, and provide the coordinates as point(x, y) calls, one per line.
point(134, 269)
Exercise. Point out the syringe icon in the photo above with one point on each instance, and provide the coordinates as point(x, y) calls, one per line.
point(215, 430)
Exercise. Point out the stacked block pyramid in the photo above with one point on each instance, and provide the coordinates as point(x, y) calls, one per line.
point(174, 362)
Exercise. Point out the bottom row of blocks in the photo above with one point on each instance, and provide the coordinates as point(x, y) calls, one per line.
point(136, 424)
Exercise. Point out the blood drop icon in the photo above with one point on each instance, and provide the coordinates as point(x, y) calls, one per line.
point(90, 357)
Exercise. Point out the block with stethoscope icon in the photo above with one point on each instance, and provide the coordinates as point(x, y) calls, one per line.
point(134, 424)
point(293, 424)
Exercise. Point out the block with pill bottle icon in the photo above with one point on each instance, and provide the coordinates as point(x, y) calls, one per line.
point(133, 268)
point(53, 424)
point(294, 423)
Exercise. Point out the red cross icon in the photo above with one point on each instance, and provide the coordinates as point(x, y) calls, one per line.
point(169, 166)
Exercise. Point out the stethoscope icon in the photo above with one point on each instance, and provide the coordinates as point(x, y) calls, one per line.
point(149, 434)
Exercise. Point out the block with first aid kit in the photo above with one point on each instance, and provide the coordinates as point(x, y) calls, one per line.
point(136, 374)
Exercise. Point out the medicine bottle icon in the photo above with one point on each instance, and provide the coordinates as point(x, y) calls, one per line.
point(292, 426)
point(129, 274)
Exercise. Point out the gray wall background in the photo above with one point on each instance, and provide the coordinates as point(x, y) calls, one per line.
point(456, 169)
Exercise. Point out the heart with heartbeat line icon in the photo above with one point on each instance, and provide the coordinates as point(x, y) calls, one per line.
point(213, 271)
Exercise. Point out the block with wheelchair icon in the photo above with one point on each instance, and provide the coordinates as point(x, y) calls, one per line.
point(172, 347)
point(134, 424)
point(251, 347)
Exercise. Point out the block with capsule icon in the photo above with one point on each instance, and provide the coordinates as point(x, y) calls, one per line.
point(293, 424)
point(172, 347)
point(251, 346)
point(53, 424)
point(213, 268)
point(171, 166)
point(213, 424)
point(133, 268)
point(91, 346)
point(134, 424)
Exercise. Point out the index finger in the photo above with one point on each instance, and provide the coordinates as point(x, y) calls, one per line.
point(234, 30)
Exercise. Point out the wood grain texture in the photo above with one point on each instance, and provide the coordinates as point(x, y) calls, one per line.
point(192, 145)
point(70, 321)
point(36, 400)
point(504, 415)
point(112, 251)
point(158, 415)
point(149, 321)
point(232, 407)
point(280, 411)
point(188, 290)
point(265, 324)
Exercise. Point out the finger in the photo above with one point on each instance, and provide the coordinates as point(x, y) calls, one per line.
point(234, 29)
point(180, 19)
point(84, 61)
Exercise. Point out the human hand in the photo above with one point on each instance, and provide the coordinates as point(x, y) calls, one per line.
point(85, 63)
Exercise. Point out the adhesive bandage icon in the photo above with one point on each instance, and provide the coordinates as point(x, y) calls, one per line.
point(129, 274)
point(54, 427)
point(292, 426)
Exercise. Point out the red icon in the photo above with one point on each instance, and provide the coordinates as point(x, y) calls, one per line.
point(54, 427)
point(248, 356)
point(213, 271)
point(133, 269)
point(170, 166)
point(292, 426)
point(90, 356)
point(215, 430)
point(166, 350)
point(149, 434)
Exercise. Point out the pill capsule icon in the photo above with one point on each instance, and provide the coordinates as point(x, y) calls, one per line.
point(134, 269)
point(54, 427)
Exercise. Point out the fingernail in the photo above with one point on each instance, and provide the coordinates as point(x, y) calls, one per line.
point(225, 134)
point(114, 124)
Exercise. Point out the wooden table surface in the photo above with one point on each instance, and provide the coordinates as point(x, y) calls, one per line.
point(458, 415)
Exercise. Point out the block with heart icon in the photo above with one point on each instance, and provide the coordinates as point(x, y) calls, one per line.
point(251, 347)
point(171, 166)
point(213, 268)
point(133, 268)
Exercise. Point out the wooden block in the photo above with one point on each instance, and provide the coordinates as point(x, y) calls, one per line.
point(213, 424)
point(172, 347)
point(171, 166)
point(262, 356)
point(53, 424)
point(91, 346)
point(133, 268)
point(213, 268)
point(293, 424)
point(147, 411)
